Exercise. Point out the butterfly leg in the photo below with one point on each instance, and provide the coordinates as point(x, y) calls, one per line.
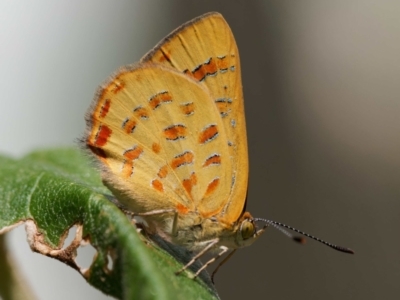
point(222, 252)
point(211, 244)
point(221, 263)
point(156, 212)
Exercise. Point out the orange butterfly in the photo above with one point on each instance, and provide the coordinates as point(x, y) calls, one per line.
point(170, 134)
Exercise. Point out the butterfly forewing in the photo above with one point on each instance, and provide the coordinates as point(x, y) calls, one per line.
point(205, 50)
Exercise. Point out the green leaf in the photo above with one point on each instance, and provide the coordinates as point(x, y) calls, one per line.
point(56, 189)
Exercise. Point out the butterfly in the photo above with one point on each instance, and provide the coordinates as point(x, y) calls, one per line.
point(170, 136)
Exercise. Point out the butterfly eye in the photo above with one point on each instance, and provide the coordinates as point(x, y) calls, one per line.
point(247, 229)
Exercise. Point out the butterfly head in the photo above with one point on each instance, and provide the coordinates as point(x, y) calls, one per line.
point(247, 231)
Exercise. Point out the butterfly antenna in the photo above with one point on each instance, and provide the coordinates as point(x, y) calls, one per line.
point(298, 239)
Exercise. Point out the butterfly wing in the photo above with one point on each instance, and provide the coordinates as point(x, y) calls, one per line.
point(205, 49)
point(160, 144)
point(173, 140)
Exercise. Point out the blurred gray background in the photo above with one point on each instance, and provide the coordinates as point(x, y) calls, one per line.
point(322, 94)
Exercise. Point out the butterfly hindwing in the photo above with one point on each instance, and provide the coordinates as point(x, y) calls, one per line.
point(156, 133)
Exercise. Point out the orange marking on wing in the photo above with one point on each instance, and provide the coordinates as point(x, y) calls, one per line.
point(210, 67)
point(222, 63)
point(175, 132)
point(119, 86)
point(105, 108)
point(213, 160)
point(134, 153)
point(102, 136)
point(127, 169)
point(187, 108)
point(193, 177)
point(212, 186)
point(156, 148)
point(157, 184)
point(163, 172)
point(181, 208)
point(156, 100)
point(130, 155)
point(189, 183)
point(199, 73)
point(182, 159)
point(129, 125)
point(208, 134)
point(141, 112)
point(223, 106)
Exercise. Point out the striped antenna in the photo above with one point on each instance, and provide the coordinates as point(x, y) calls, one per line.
point(301, 240)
